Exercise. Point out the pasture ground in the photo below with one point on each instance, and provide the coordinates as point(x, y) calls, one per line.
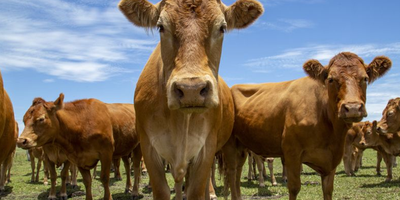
point(367, 185)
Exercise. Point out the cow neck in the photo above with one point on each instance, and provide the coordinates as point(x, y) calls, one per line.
point(64, 145)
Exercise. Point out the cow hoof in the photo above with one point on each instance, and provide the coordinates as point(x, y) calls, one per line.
point(213, 197)
point(137, 197)
point(388, 180)
point(262, 185)
point(352, 174)
point(127, 191)
point(64, 197)
point(45, 183)
point(118, 178)
point(378, 173)
point(274, 183)
point(52, 198)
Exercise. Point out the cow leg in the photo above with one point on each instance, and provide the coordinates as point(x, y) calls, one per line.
point(293, 170)
point(64, 176)
point(39, 165)
point(106, 160)
point(127, 166)
point(213, 168)
point(284, 174)
point(74, 175)
point(45, 173)
point(32, 159)
point(155, 168)
point(117, 173)
point(250, 163)
point(270, 162)
point(388, 159)
point(136, 158)
point(359, 159)
point(260, 168)
point(234, 156)
point(87, 181)
point(3, 172)
point(95, 172)
point(378, 163)
point(212, 194)
point(53, 178)
point(327, 184)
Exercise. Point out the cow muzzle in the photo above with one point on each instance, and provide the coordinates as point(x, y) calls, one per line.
point(25, 143)
point(352, 112)
point(192, 94)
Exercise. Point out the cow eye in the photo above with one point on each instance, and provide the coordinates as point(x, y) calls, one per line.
point(366, 79)
point(390, 113)
point(40, 119)
point(160, 28)
point(222, 29)
point(330, 80)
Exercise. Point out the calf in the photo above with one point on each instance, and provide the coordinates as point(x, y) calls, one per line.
point(37, 153)
point(304, 120)
point(8, 134)
point(184, 110)
point(256, 160)
point(78, 130)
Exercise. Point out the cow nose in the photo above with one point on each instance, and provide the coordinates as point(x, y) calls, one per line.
point(191, 93)
point(22, 142)
point(362, 143)
point(353, 110)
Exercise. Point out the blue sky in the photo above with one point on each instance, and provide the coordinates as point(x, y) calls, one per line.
point(87, 49)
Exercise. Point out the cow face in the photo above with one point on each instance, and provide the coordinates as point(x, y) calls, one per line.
point(191, 34)
point(346, 78)
point(41, 124)
point(367, 137)
point(390, 121)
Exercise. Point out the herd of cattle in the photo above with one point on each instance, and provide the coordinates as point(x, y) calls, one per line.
point(184, 113)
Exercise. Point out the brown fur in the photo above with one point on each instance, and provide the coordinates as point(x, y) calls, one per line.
point(184, 109)
point(390, 121)
point(78, 130)
point(8, 135)
point(303, 121)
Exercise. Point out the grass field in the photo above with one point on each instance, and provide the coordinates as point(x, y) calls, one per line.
point(367, 185)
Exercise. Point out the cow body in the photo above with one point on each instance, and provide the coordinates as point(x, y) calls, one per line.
point(126, 142)
point(77, 129)
point(184, 109)
point(8, 134)
point(303, 121)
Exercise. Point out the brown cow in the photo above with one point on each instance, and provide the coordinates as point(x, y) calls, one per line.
point(184, 109)
point(256, 160)
point(390, 121)
point(8, 135)
point(304, 120)
point(11, 159)
point(77, 128)
point(126, 143)
point(37, 153)
point(55, 157)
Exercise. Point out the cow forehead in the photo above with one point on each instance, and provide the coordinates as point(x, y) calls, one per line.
point(347, 64)
point(34, 112)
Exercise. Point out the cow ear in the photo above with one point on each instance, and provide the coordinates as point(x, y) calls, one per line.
point(378, 67)
point(140, 12)
point(374, 125)
point(242, 13)
point(315, 70)
point(59, 102)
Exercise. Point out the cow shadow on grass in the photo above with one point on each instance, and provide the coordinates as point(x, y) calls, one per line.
point(7, 190)
point(263, 192)
point(71, 192)
point(383, 184)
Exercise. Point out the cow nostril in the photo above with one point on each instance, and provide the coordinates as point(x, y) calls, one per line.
point(379, 128)
point(204, 91)
point(24, 141)
point(346, 108)
point(179, 93)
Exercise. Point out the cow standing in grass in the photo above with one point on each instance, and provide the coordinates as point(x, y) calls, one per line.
point(8, 135)
point(78, 130)
point(304, 120)
point(184, 109)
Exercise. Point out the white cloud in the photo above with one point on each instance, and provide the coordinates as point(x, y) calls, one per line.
point(71, 41)
point(294, 58)
point(285, 25)
point(270, 3)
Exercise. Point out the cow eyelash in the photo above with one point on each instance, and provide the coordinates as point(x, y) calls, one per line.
point(222, 29)
point(160, 28)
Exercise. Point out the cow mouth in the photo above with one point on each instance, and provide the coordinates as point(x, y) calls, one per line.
point(25, 144)
point(193, 109)
point(352, 119)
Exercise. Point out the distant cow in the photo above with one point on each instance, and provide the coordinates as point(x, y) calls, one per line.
point(304, 120)
point(184, 109)
point(37, 153)
point(126, 142)
point(8, 135)
point(390, 121)
point(81, 129)
point(256, 160)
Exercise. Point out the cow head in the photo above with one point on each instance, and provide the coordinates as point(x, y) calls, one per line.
point(367, 136)
point(191, 34)
point(41, 123)
point(390, 121)
point(346, 78)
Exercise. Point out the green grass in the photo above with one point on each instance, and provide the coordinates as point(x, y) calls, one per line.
point(367, 185)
